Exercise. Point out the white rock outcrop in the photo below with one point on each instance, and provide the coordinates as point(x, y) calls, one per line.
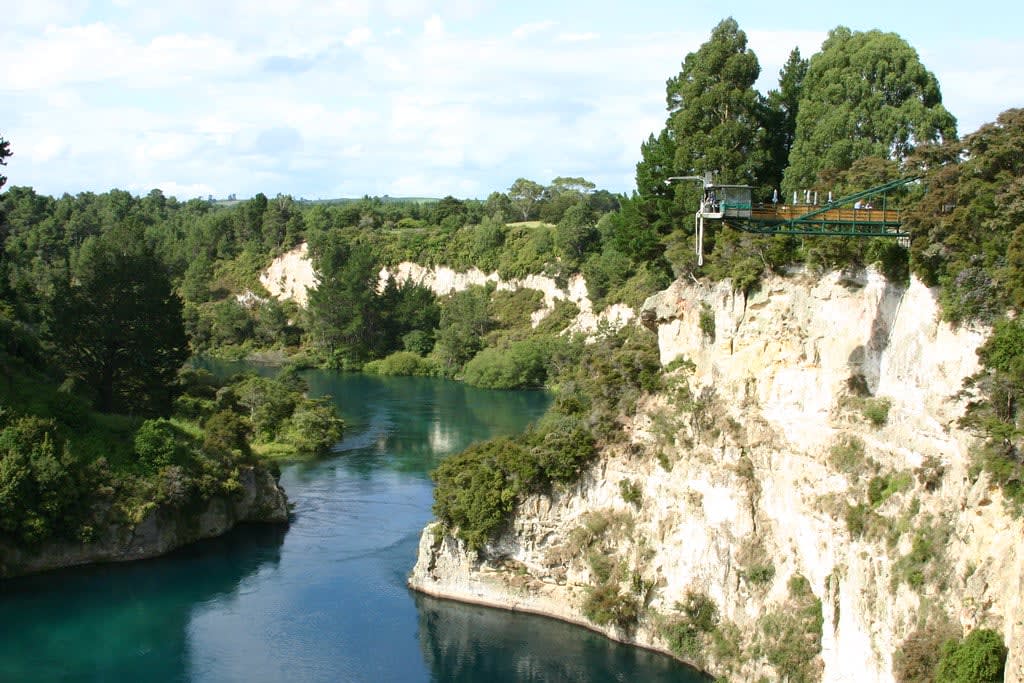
point(291, 276)
point(753, 474)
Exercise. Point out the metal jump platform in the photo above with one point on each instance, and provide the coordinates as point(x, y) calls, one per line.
point(862, 214)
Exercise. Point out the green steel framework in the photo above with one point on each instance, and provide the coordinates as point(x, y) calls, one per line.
point(818, 221)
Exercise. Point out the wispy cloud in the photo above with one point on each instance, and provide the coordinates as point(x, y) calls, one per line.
point(400, 97)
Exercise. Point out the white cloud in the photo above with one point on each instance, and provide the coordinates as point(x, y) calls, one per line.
point(361, 97)
point(433, 28)
point(578, 37)
point(527, 30)
point(358, 37)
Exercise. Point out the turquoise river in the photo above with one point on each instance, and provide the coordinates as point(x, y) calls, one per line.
point(325, 598)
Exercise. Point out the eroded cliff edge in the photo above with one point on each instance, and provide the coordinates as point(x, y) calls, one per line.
point(804, 472)
point(160, 530)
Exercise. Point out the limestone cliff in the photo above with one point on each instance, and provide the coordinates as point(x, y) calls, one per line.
point(291, 276)
point(161, 529)
point(803, 474)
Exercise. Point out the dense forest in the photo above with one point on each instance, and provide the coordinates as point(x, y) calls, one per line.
point(103, 298)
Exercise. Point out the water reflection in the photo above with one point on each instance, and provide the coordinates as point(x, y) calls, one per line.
point(468, 643)
point(326, 599)
point(124, 622)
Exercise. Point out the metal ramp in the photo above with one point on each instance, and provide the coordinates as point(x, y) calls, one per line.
point(862, 214)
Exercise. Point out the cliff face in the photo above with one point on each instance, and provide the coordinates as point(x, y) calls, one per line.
point(161, 530)
point(803, 473)
point(291, 276)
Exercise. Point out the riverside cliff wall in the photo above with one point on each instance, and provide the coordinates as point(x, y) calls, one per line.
point(291, 276)
point(161, 529)
point(804, 471)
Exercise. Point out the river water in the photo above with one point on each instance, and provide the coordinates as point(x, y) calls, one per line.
point(325, 598)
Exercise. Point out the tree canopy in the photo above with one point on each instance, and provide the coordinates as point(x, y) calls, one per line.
point(116, 325)
point(716, 116)
point(865, 94)
point(5, 151)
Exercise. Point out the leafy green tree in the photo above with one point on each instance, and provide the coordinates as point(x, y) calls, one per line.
point(865, 94)
point(783, 105)
point(967, 229)
point(576, 234)
point(563, 193)
point(116, 325)
point(524, 195)
point(464, 322)
point(716, 117)
point(344, 320)
point(5, 151)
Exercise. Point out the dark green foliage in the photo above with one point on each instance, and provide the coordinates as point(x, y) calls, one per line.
point(402, 363)
point(278, 414)
point(519, 366)
point(576, 235)
point(44, 488)
point(226, 435)
point(562, 446)
point(157, 444)
point(464, 322)
point(790, 639)
point(632, 492)
point(344, 319)
point(477, 489)
point(313, 428)
point(918, 657)
point(865, 94)
point(687, 634)
point(707, 322)
point(606, 604)
point(715, 115)
point(783, 105)
point(996, 414)
point(115, 325)
point(5, 151)
point(978, 658)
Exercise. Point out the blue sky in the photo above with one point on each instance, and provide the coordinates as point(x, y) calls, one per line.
point(408, 97)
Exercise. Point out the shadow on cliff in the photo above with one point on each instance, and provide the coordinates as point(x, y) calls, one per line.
point(123, 622)
point(468, 643)
point(866, 359)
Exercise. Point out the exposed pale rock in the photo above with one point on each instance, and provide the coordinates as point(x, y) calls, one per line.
point(291, 276)
point(776, 378)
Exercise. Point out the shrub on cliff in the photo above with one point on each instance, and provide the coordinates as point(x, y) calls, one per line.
point(477, 489)
point(978, 658)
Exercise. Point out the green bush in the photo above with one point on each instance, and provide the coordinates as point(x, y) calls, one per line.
point(884, 486)
point(478, 488)
point(562, 446)
point(918, 656)
point(522, 365)
point(686, 634)
point(847, 455)
point(632, 492)
point(790, 639)
point(313, 428)
point(876, 410)
point(402, 363)
point(978, 658)
point(707, 321)
point(607, 604)
point(156, 444)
